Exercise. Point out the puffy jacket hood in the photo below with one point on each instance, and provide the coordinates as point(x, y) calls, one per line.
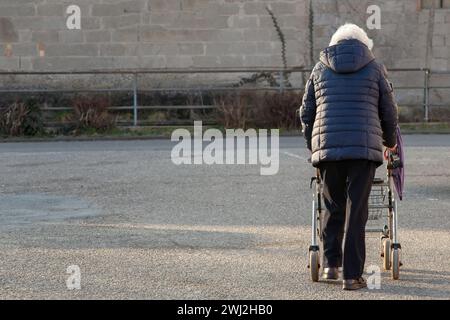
point(347, 56)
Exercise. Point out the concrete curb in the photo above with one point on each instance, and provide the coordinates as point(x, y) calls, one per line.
point(152, 137)
point(65, 139)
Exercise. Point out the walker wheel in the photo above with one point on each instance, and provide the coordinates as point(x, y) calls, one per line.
point(395, 258)
point(387, 254)
point(314, 265)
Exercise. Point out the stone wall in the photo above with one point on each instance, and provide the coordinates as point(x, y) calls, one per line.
point(149, 34)
point(210, 33)
point(218, 33)
point(410, 36)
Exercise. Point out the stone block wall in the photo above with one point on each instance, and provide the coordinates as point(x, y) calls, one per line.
point(411, 36)
point(149, 34)
point(137, 34)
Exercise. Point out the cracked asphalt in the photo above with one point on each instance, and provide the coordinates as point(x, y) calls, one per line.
point(140, 227)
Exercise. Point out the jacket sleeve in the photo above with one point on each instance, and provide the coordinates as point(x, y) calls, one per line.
point(308, 111)
point(387, 110)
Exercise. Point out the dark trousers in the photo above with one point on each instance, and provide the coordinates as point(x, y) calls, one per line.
point(347, 186)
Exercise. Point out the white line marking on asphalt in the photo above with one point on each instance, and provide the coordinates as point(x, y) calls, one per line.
point(294, 155)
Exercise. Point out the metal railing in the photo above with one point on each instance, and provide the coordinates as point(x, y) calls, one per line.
point(135, 88)
point(427, 88)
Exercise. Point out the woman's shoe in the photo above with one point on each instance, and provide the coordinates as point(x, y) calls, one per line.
point(354, 284)
point(330, 273)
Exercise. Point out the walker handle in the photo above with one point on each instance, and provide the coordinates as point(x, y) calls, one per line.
point(394, 160)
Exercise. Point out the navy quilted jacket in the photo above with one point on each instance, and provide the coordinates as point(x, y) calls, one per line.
point(348, 110)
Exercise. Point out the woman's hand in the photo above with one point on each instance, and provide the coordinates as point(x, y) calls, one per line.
point(393, 149)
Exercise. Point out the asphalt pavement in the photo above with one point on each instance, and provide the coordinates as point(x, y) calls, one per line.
point(140, 227)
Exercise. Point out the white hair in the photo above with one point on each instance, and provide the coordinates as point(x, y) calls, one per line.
point(351, 31)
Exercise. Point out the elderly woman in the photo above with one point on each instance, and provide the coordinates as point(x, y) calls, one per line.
point(348, 113)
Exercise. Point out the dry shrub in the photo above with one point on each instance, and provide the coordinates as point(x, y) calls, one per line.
point(440, 114)
point(279, 110)
point(12, 119)
point(21, 118)
point(410, 113)
point(91, 113)
point(259, 110)
point(234, 109)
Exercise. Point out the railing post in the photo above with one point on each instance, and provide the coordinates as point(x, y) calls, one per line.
point(135, 100)
point(281, 81)
point(426, 95)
